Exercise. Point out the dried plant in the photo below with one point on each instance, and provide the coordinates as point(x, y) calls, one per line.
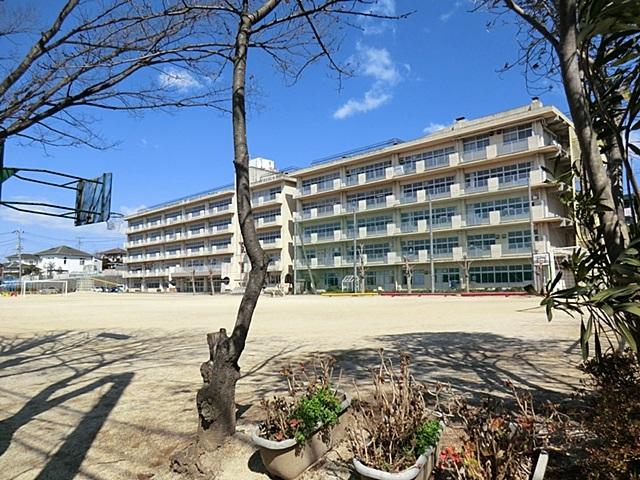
point(502, 439)
point(396, 427)
point(311, 402)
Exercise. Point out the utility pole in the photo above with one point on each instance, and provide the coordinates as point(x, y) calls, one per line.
point(433, 273)
point(295, 253)
point(355, 265)
point(534, 268)
point(19, 249)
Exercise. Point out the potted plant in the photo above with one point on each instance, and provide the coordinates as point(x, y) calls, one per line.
point(395, 437)
point(302, 426)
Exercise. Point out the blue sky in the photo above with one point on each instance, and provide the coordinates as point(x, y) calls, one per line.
point(411, 76)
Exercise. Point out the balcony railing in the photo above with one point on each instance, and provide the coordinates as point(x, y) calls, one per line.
point(513, 147)
point(473, 155)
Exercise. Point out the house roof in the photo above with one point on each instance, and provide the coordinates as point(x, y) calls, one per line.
point(64, 251)
point(25, 256)
point(114, 251)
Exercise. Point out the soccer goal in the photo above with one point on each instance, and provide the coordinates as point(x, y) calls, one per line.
point(44, 287)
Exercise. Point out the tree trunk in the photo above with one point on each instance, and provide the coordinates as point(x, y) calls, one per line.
point(613, 229)
point(216, 399)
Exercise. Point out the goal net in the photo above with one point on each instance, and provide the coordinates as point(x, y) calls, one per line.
point(44, 287)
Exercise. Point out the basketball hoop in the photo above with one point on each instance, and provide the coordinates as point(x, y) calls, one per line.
point(115, 222)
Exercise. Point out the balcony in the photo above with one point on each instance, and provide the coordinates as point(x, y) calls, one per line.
point(523, 249)
point(271, 244)
point(269, 200)
point(197, 270)
point(473, 155)
point(268, 221)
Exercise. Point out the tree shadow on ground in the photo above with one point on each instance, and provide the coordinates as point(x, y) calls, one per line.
point(475, 364)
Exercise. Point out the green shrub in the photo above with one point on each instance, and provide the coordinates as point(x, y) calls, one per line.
point(427, 435)
point(322, 407)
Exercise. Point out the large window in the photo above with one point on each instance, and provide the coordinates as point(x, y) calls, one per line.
point(269, 237)
point(265, 195)
point(372, 224)
point(373, 251)
point(516, 134)
point(324, 206)
point(508, 207)
point(372, 171)
point(323, 230)
point(504, 274)
point(220, 204)
point(441, 246)
point(324, 182)
point(473, 144)
point(506, 174)
point(432, 159)
point(519, 240)
point(441, 216)
point(267, 216)
point(371, 197)
point(221, 243)
point(481, 241)
point(435, 187)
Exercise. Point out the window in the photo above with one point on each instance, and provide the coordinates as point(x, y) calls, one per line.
point(505, 174)
point(508, 207)
point(515, 134)
point(372, 224)
point(220, 204)
point(221, 243)
point(64, 260)
point(448, 274)
point(373, 251)
point(501, 274)
point(473, 144)
point(324, 182)
point(265, 195)
point(82, 261)
point(436, 186)
point(371, 197)
point(432, 159)
point(323, 206)
point(482, 241)
point(268, 216)
point(371, 171)
point(269, 237)
point(520, 239)
point(323, 230)
point(441, 216)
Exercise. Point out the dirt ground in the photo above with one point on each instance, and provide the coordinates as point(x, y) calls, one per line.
point(102, 386)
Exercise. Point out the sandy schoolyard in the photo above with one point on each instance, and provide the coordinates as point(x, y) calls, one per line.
point(102, 386)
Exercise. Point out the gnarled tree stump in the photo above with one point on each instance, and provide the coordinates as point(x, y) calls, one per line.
point(216, 399)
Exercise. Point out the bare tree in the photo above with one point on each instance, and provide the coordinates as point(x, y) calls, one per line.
point(294, 34)
point(553, 39)
point(466, 270)
point(128, 55)
point(362, 269)
point(408, 272)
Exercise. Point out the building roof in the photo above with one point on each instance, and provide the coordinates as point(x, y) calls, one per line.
point(113, 251)
point(25, 256)
point(64, 251)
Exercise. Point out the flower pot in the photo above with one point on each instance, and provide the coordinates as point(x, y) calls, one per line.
point(421, 470)
point(541, 466)
point(287, 459)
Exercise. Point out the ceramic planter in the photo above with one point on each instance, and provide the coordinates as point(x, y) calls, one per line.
point(421, 470)
point(287, 459)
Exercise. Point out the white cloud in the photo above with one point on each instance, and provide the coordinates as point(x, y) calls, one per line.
point(372, 99)
point(178, 79)
point(447, 15)
point(377, 64)
point(433, 127)
point(376, 26)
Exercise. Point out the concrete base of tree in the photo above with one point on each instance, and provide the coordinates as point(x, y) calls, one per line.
point(287, 459)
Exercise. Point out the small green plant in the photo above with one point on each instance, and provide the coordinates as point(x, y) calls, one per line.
point(396, 427)
point(310, 405)
point(427, 436)
point(319, 408)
